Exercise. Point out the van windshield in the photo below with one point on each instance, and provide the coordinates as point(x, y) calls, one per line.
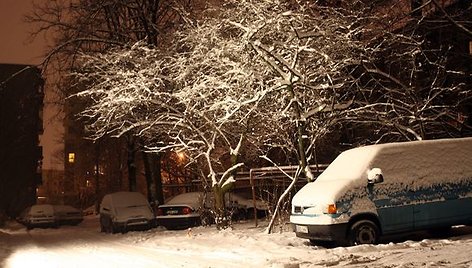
point(349, 165)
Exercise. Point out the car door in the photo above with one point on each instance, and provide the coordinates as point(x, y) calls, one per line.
point(392, 203)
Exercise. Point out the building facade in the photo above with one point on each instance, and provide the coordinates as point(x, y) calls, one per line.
point(21, 124)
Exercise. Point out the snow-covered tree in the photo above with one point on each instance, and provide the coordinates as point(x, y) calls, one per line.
point(82, 26)
point(257, 74)
point(228, 82)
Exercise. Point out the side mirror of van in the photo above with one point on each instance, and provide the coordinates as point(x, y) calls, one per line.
point(374, 176)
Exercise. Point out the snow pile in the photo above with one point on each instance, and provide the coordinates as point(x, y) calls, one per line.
point(243, 246)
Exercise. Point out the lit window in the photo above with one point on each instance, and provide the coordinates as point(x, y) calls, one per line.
point(71, 157)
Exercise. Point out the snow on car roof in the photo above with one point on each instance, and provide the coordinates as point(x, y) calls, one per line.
point(41, 208)
point(65, 208)
point(193, 199)
point(127, 199)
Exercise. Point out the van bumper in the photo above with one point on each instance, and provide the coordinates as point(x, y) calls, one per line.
point(330, 232)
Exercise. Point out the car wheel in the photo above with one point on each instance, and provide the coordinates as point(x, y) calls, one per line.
point(102, 228)
point(363, 232)
point(250, 213)
point(113, 228)
point(440, 232)
point(105, 225)
point(322, 243)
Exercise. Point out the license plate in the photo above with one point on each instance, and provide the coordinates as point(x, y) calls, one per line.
point(301, 229)
point(172, 212)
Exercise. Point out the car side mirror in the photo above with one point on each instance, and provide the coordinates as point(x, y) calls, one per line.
point(374, 176)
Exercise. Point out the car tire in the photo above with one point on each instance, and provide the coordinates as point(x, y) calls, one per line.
point(363, 232)
point(440, 232)
point(113, 229)
point(251, 213)
point(322, 243)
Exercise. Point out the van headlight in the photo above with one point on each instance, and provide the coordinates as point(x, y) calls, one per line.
point(330, 209)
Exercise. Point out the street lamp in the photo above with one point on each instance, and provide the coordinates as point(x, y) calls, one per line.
point(181, 156)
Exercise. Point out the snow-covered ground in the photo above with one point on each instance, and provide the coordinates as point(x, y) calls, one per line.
point(243, 246)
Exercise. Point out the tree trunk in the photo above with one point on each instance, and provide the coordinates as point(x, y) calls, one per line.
point(156, 167)
point(300, 136)
point(131, 164)
point(280, 201)
point(223, 218)
point(149, 177)
point(220, 213)
point(97, 177)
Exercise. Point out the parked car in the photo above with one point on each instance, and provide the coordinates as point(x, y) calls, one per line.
point(243, 208)
point(184, 210)
point(387, 189)
point(67, 215)
point(125, 211)
point(89, 211)
point(191, 209)
point(38, 216)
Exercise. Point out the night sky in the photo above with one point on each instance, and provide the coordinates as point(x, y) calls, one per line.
point(17, 47)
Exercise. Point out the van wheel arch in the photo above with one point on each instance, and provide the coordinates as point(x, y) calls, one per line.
point(360, 218)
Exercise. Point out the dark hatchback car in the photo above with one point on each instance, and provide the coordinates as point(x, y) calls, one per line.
point(183, 211)
point(67, 215)
point(191, 209)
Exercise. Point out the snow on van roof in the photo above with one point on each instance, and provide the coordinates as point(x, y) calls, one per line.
point(429, 161)
point(404, 165)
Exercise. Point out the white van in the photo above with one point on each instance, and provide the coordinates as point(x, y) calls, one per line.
point(384, 189)
point(124, 211)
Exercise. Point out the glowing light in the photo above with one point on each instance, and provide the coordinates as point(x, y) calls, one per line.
point(71, 158)
point(181, 156)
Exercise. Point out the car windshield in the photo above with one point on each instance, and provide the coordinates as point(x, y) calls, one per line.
point(191, 198)
point(128, 200)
